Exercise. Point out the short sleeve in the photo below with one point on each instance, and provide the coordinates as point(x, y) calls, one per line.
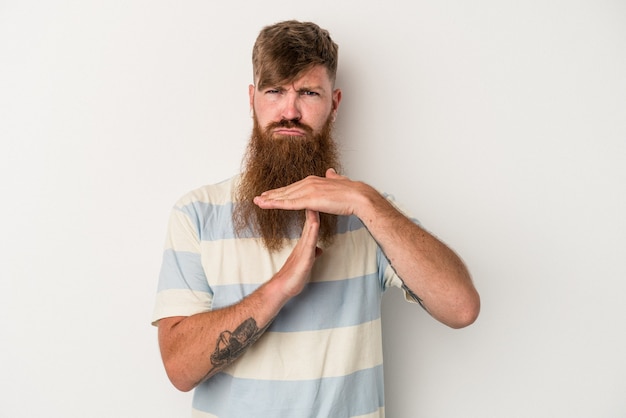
point(183, 289)
point(387, 274)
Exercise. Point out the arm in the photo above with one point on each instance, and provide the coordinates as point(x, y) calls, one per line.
point(427, 267)
point(196, 347)
point(430, 270)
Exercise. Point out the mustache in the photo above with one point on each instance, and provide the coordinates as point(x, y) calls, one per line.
point(290, 123)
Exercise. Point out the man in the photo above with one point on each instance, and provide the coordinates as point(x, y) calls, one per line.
point(269, 294)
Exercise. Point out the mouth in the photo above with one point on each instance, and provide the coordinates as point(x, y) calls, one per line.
point(289, 132)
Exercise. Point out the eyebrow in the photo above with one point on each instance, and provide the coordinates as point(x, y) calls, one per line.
point(306, 87)
point(314, 88)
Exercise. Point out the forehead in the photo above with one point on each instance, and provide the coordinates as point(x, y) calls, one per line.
point(315, 77)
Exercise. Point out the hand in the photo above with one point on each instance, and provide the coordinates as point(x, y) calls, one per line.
point(296, 271)
point(334, 194)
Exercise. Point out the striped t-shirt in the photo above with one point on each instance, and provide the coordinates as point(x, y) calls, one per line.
point(322, 355)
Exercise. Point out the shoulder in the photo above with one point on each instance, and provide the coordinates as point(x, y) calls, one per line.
point(221, 193)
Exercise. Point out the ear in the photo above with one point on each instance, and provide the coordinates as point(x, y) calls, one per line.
point(251, 89)
point(336, 101)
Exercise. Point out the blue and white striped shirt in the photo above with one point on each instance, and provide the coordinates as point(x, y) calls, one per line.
point(322, 355)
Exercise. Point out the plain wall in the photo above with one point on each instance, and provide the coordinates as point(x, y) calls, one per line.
point(501, 125)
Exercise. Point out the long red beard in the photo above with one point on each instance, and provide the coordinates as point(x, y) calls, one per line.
point(276, 161)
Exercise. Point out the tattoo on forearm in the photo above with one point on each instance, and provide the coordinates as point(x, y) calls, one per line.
point(231, 345)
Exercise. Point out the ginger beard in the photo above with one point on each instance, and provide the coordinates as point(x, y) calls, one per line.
point(274, 161)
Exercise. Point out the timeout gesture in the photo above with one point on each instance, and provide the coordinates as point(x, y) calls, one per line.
point(334, 194)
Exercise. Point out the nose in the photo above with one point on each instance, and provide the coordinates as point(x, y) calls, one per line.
point(291, 108)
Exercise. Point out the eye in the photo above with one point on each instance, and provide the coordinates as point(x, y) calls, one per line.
point(309, 93)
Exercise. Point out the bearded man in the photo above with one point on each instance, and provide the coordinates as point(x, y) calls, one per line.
point(269, 293)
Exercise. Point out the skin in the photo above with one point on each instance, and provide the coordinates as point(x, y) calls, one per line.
point(309, 99)
point(427, 267)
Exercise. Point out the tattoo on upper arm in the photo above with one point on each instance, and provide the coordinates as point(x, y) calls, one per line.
point(231, 345)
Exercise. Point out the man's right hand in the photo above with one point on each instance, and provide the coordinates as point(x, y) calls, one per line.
point(296, 272)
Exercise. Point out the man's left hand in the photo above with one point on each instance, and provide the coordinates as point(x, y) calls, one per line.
point(334, 194)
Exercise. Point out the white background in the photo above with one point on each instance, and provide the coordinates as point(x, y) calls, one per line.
point(501, 125)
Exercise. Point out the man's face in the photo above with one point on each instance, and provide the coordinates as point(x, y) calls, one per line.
point(309, 100)
point(291, 139)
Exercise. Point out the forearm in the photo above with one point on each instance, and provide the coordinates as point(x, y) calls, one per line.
point(427, 267)
point(197, 347)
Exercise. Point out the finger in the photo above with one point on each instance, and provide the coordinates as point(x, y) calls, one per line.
point(310, 229)
point(311, 222)
point(292, 197)
point(297, 268)
point(291, 190)
point(268, 202)
point(281, 193)
point(331, 173)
